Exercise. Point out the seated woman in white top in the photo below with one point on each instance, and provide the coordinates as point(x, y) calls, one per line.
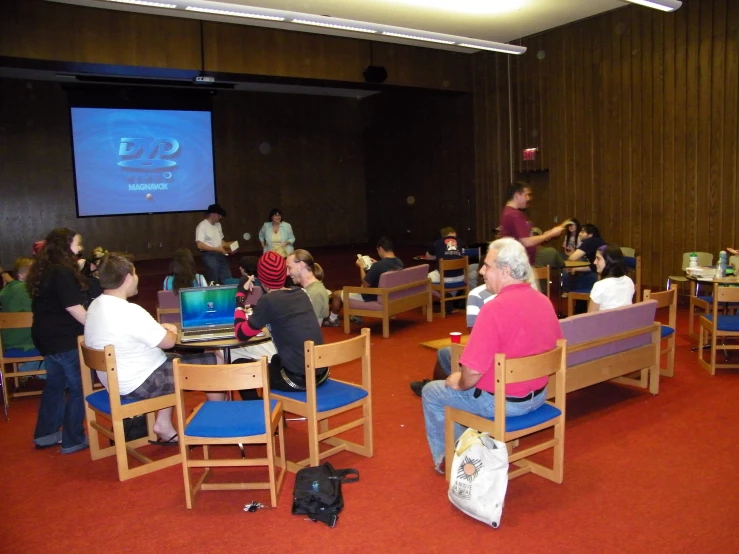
point(182, 272)
point(615, 288)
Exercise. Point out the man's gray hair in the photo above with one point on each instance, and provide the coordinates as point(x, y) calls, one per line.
point(512, 254)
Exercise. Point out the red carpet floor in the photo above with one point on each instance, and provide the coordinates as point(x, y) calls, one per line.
point(642, 474)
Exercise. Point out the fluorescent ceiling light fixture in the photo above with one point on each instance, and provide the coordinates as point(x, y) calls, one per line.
point(235, 14)
point(417, 37)
point(509, 48)
point(481, 7)
point(145, 3)
point(663, 5)
point(333, 26)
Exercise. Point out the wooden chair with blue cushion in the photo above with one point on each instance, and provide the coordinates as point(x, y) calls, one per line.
point(457, 290)
point(510, 429)
point(14, 356)
point(334, 398)
point(108, 405)
point(248, 422)
point(718, 326)
point(667, 299)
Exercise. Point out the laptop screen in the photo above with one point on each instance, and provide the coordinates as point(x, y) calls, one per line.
point(205, 307)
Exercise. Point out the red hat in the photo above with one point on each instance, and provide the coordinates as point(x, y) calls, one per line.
point(271, 270)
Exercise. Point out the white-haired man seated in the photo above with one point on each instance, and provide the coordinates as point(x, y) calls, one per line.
point(518, 322)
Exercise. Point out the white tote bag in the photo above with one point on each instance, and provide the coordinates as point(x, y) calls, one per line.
point(479, 476)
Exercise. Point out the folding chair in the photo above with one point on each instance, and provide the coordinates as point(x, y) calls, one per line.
point(333, 398)
point(14, 356)
point(461, 288)
point(510, 429)
point(108, 404)
point(248, 422)
point(719, 326)
point(667, 299)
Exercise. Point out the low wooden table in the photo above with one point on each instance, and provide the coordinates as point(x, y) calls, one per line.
point(438, 344)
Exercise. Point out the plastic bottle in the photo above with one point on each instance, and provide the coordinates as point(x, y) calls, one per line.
point(721, 266)
point(693, 260)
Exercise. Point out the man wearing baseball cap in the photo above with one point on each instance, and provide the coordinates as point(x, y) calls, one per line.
point(213, 249)
point(288, 314)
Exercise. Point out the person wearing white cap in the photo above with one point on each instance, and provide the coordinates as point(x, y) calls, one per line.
point(213, 249)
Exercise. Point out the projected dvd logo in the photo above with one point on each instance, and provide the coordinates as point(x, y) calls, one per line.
point(148, 163)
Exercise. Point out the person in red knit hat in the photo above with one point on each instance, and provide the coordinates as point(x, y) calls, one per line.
point(288, 314)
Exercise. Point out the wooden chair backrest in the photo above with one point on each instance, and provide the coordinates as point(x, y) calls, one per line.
point(449, 265)
point(252, 375)
point(627, 251)
point(98, 360)
point(543, 273)
point(722, 293)
point(666, 299)
point(16, 320)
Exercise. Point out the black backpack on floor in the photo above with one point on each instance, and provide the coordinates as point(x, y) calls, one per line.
point(317, 492)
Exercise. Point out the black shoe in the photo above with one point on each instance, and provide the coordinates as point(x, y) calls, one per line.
point(417, 386)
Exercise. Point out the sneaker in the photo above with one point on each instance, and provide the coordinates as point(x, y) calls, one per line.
point(48, 441)
point(328, 322)
point(75, 448)
point(417, 386)
point(356, 320)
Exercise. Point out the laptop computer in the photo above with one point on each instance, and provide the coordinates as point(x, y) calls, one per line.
point(207, 313)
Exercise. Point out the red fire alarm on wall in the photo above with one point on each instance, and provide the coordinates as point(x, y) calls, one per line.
point(529, 154)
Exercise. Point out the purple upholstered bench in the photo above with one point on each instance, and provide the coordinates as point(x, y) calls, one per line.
point(611, 344)
point(397, 292)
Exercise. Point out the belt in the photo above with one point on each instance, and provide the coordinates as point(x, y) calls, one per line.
point(526, 398)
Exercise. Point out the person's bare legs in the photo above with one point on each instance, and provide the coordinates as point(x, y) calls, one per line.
point(163, 425)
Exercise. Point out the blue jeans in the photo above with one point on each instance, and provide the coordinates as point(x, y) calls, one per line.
point(216, 267)
point(444, 357)
point(62, 372)
point(436, 396)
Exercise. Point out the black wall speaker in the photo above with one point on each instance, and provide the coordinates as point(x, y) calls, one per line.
point(375, 74)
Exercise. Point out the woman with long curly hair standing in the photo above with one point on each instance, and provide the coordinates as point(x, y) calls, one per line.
point(59, 294)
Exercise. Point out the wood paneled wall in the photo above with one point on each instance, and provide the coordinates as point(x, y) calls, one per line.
point(302, 154)
point(635, 115)
point(420, 145)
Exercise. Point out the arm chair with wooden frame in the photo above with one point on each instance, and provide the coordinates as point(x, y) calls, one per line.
point(667, 299)
point(14, 356)
point(633, 264)
point(214, 423)
point(510, 429)
point(333, 398)
point(459, 289)
point(717, 326)
point(397, 292)
point(544, 274)
point(108, 404)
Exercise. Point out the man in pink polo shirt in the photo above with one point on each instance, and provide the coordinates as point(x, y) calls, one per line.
point(519, 322)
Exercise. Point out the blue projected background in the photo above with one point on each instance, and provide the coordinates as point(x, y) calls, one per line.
point(207, 306)
point(142, 161)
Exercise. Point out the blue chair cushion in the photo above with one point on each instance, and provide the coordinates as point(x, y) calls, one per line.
point(331, 395)
point(457, 285)
point(726, 322)
point(217, 420)
point(667, 331)
point(630, 261)
point(542, 414)
point(583, 291)
point(706, 299)
point(101, 401)
point(20, 353)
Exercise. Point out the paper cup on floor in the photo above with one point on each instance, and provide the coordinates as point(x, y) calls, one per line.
point(456, 337)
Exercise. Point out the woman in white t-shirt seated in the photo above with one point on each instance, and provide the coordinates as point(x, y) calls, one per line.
point(615, 288)
point(182, 272)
